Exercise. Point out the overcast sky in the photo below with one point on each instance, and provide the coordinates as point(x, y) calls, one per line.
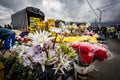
point(68, 10)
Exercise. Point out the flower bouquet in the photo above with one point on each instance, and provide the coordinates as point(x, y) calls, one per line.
point(38, 56)
point(88, 54)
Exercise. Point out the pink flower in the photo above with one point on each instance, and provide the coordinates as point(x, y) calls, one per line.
point(75, 45)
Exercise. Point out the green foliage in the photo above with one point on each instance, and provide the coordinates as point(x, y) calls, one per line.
point(66, 49)
point(16, 71)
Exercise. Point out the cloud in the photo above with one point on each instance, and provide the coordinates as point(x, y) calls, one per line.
point(68, 10)
point(112, 13)
point(15, 5)
point(7, 8)
point(5, 15)
point(52, 8)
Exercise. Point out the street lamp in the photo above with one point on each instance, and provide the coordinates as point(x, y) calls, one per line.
point(101, 11)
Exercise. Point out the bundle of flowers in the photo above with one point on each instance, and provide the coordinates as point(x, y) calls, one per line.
point(60, 56)
point(89, 52)
point(40, 49)
point(90, 33)
point(46, 52)
point(63, 35)
point(82, 38)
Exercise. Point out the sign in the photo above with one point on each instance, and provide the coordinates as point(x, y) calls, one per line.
point(51, 23)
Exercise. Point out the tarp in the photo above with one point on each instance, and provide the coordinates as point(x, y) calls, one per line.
point(21, 19)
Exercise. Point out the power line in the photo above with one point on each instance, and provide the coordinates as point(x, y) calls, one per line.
point(110, 4)
point(92, 8)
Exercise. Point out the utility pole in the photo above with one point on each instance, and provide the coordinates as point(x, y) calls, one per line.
point(100, 17)
point(95, 22)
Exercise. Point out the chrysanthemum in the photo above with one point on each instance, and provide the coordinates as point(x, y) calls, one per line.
point(40, 37)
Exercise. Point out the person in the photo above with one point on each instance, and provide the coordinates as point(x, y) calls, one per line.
point(104, 31)
point(7, 26)
point(0, 26)
point(118, 31)
point(108, 32)
point(112, 31)
point(8, 36)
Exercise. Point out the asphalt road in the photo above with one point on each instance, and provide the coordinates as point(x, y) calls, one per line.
point(109, 69)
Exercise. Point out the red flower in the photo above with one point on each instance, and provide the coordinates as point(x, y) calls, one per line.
point(84, 49)
point(86, 59)
point(75, 45)
point(24, 40)
point(101, 54)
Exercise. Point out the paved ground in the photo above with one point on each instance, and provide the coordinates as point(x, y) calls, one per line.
point(109, 69)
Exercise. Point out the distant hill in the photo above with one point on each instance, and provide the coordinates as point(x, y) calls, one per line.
point(106, 23)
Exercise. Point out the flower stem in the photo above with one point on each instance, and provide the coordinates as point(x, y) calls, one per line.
point(54, 41)
point(46, 51)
